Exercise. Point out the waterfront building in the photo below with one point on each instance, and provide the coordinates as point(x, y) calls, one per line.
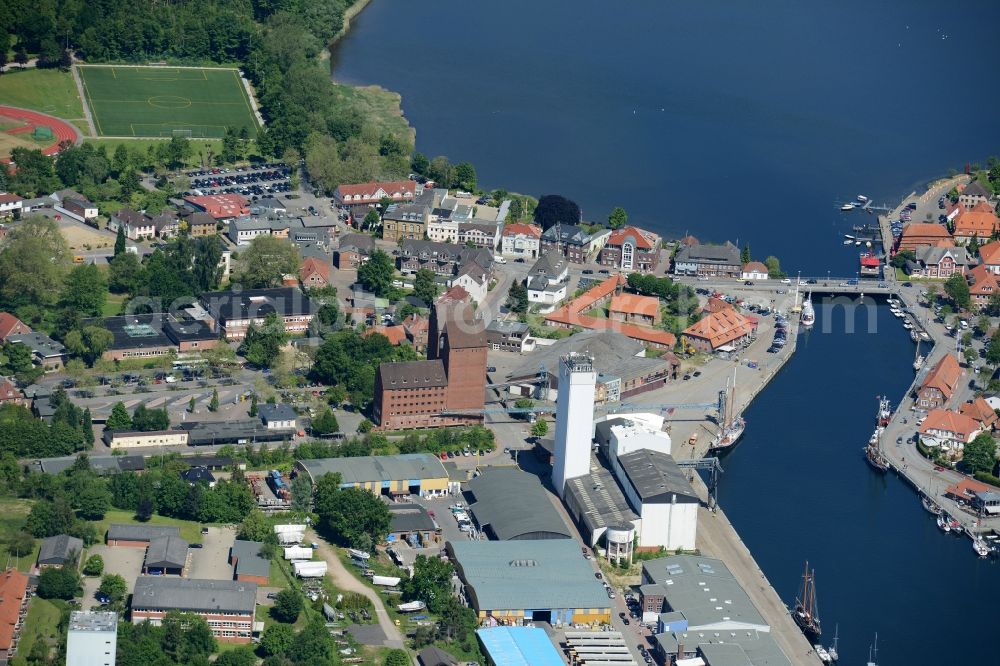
point(520, 240)
point(365, 195)
point(227, 606)
point(939, 384)
point(919, 234)
point(574, 419)
point(516, 582)
point(403, 474)
point(659, 493)
point(973, 194)
point(619, 435)
point(936, 261)
point(722, 330)
point(708, 260)
point(949, 430)
point(632, 249)
point(92, 638)
point(980, 411)
point(754, 270)
point(983, 283)
point(978, 221)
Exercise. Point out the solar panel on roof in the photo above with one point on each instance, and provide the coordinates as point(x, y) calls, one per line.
point(139, 330)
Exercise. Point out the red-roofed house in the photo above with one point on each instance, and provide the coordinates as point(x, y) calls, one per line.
point(989, 256)
point(10, 394)
point(635, 309)
point(979, 221)
point(755, 270)
point(369, 194)
point(10, 204)
point(939, 384)
point(13, 608)
point(314, 273)
point(983, 283)
point(966, 489)
point(714, 304)
point(11, 325)
point(416, 327)
point(980, 411)
point(919, 234)
point(720, 330)
point(395, 334)
point(631, 249)
point(947, 429)
point(520, 240)
point(220, 206)
point(972, 194)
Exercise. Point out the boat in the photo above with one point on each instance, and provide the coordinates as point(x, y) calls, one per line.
point(808, 313)
point(942, 523)
point(931, 506)
point(733, 425)
point(806, 613)
point(871, 660)
point(918, 363)
point(873, 452)
point(862, 198)
point(914, 336)
point(848, 206)
point(857, 242)
point(978, 545)
point(834, 655)
point(907, 325)
point(924, 335)
point(848, 241)
point(411, 607)
point(884, 413)
point(849, 237)
point(823, 655)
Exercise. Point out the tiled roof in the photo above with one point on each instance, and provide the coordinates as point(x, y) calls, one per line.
point(755, 267)
point(221, 206)
point(370, 189)
point(975, 188)
point(646, 240)
point(982, 282)
point(980, 411)
point(990, 253)
point(635, 304)
point(412, 374)
point(395, 334)
point(948, 421)
point(923, 231)
point(981, 223)
point(721, 327)
point(314, 265)
point(13, 588)
point(944, 376)
point(532, 230)
point(8, 323)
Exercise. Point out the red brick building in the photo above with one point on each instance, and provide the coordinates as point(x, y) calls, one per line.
point(227, 606)
point(11, 325)
point(138, 536)
point(632, 249)
point(13, 608)
point(315, 273)
point(940, 383)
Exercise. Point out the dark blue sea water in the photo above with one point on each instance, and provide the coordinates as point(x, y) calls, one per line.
point(749, 121)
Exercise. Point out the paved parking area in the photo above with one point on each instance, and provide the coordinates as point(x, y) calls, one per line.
point(211, 561)
point(121, 560)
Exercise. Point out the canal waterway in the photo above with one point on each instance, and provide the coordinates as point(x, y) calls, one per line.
point(730, 119)
point(736, 120)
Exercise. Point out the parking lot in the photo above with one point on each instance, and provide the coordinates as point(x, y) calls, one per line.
point(211, 561)
point(121, 560)
point(260, 181)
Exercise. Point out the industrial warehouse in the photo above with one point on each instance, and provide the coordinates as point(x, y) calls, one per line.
point(512, 582)
point(404, 474)
point(509, 504)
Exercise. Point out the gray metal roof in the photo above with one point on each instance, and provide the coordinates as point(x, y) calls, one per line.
point(551, 264)
point(726, 253)
point(729, 648)
point(514, 506)
point(57, 549)
point(230, 432)
point(276, 412)
point(412, 374)
point(507, 327)
point(656, 477)
point(409, 518)
point(117, 531)
point(167, 551)
point(614, 354)
point(705, 591)
point(365, 469)
point(195, 595)
point(100, 464)
point(597, 501)
point(39, 344)
point(518, 575)
point(249, 561)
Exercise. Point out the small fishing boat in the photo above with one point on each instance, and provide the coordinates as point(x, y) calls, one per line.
point(848, 206)
point(918, 363)
point(924, 335)
point(848, 241)
point(871, 659)
point(862, 198)
point(907, 325)
point(942, 523)
point(823, 655)
point(978, 545)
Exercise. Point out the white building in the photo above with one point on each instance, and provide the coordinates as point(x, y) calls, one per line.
point(277, 416)
point(10, 204)
point(520, 240)
point(442, 229)
point(91, 639)
point(619, 435)
point(474, 280)
point(143, 439)
point(548, 281)
point(574, 419)
point(660, 494)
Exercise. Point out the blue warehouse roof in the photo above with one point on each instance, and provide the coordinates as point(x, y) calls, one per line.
point(519, 646)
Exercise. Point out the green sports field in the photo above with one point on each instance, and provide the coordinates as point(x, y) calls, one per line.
point(166, 101)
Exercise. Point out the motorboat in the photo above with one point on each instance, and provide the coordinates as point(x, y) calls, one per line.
point(918, 363)
point(862, 198)
point(808, 313)
point(942, 522)
point(978, 545)
point(848, 206)
point(823, 655)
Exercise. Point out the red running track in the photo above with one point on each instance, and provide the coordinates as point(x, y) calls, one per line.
point(63, 130)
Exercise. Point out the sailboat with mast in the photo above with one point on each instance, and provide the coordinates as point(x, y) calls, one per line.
point(834, 655)
point(873, 450)
point(806, 613)
point(918, 362)
point(872, 660)
point(733, 424)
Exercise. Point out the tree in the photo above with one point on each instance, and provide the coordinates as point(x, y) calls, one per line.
point(241, 656)
point(262, 346)
point(277, 639)
point(253, 405)
point(192, 404)
point(553, 209)
point(376, 274)
point(371, 220)
point(144, 509)
point(517, 297)
point(774, 268)
point(114, 587)
point(617, 218)
point(465, 176)
point(148, 420)
point(61, 583)
point(430, 583)
point(312, 645)
point(328, 314)
point(958, 291)
point(351, 512)
point(125, 274)
point(94, 566)
point(982, 325)
point(419, 163)
point(34, 259)
point(119, 419)
point(980, 455)
point(745, 255)
point(396, 657)
point(540, 428)
point(287, 606)
point(970, 355)
point(20, 544)
point(254, 527)
point(88, 428)
point(49, 518)
point(93, 500)
point(265, 262)
point(89, 343)
point(120, 240)
point(325, 423)
point(424, 286)
point(213, 405)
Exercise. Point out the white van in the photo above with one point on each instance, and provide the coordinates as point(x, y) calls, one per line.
point(500, 260)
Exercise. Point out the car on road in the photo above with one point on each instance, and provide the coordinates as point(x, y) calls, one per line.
point(782, 291)
point(749, 283)
point(604, 271)
point(853, 282)
point(621, 615)
point(272, 595)
point(687, 377)
point(625, 620)
point(491, 368)
point(786, 281)
point(195, 545)
point(812, 281)
point(696, 373)
point(588, 271)
point(938, 468)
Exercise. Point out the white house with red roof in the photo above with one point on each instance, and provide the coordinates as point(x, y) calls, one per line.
point(520, 240)
point(369, 194)
point(754, 270)
point(949, 430)
point(10, 203)
point(989, 256)
point(315, 273)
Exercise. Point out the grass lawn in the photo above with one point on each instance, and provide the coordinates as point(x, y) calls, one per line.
point(190, 531)
point(47, 90)
point(156, 101)
point(113, 304)
point(380, 107)
point(13, 513)
point(42, 623)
